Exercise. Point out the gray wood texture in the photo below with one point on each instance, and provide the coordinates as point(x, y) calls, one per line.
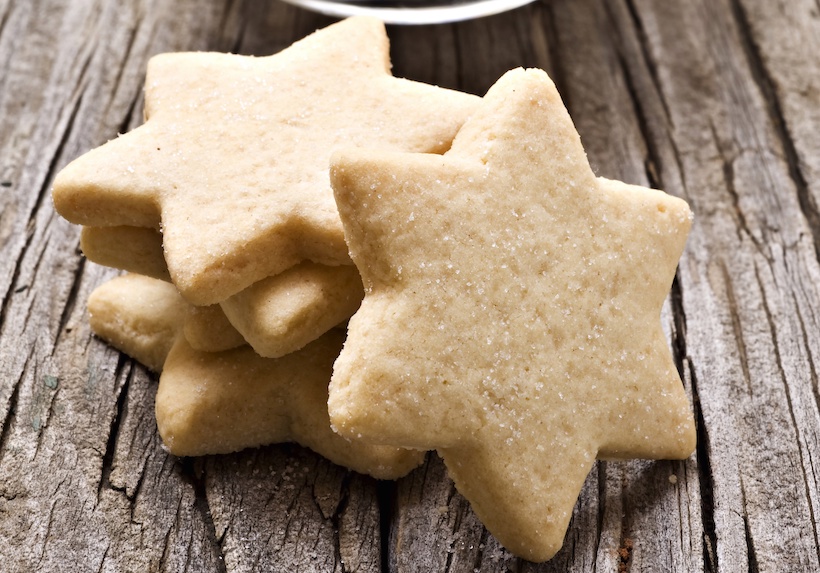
point(715, 101)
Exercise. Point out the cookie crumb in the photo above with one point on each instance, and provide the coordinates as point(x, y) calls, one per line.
point(625, 554)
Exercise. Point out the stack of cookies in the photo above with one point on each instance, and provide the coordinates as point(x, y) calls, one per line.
point(220, 207)
point(504, 302)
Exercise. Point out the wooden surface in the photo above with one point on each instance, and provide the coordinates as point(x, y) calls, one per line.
point(716, 101)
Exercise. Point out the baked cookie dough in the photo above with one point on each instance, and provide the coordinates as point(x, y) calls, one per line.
point(512, 315)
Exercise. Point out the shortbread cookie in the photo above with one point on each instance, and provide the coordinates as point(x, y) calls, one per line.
point(208, 329)
point(232, 161)
point(139, 316)
point(220, 402)
point(281, 314)
point(134, 249)
point(276, 315)
point(512, 315)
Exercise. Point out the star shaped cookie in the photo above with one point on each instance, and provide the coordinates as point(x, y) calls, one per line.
point(232, 161)
point(139, 316)
point(134, 249)
point(276, 315)
point(512, 312)
point(220, 402)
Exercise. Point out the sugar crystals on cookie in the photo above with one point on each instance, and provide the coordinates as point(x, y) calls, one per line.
point(232, 160)
point(512, 312)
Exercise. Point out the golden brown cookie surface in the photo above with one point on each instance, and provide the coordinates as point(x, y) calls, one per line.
point(281, 314)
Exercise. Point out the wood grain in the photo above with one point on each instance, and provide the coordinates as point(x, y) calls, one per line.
point(715, 101)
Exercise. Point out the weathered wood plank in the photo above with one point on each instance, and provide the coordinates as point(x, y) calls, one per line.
point(780, 35)
point(284, 508)
point(717, 144)
point(714, 101)
point(643, 502)
point(80, 489)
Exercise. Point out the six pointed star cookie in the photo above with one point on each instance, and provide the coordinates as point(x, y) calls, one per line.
point(219, 402)
point(512, 312)
point(276, 315)
point(232, 162)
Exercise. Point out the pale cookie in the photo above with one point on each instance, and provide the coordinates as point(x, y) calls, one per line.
point(139, 316)
point(512, 314)
point(281, 314)
point(232, 162)
point(142, 316)
point(209, 330)
point(222, 402)
point(219, 402)
point(276, 315)
point(133, 249)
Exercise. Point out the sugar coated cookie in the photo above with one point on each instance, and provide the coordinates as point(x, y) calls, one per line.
point(231, 163)
point(281, 314)
point(276, 315)
point(512, 312)
point(137, 250)
point(209, 330)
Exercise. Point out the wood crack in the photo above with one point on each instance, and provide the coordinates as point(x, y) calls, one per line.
point(766, 84)
point(31, 298)
point(737, 329)
point(4, 19)
point(482, 545)
point(102, 568)
point(51, 170)
point(166, 545)
point(751, 554)
point(45, 421)
point(812, 367)
point(705, 476)
point(11, 410)
point(654, 158)
point(386, 492)
point(336, 517)
point(653, 178)
point(114, 428)
point(787, 393)
point(599, 518)
point(742, 226)
point(625, 543)
point(129, 47)
point(194, 472)
point(15, 276)
point(808, 497)
point(47, 535)
point(71, 299)
point(643, 44)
